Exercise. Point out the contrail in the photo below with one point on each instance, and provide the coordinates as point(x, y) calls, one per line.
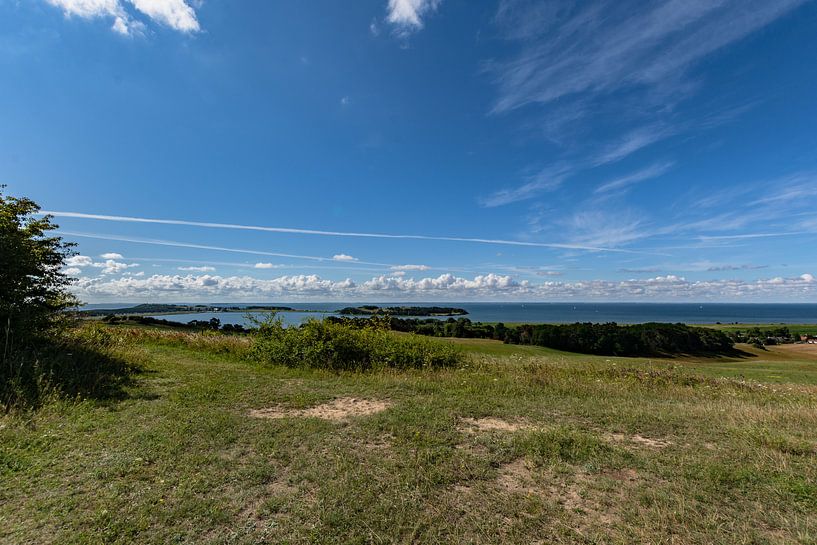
point(176, 244)
point(290, 230)
point(207, 247)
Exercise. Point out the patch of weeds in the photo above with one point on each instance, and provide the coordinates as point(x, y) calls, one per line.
point(564, 444)
point(672, 376)
point(729, 477)
point(800, 490)
point(782, 443)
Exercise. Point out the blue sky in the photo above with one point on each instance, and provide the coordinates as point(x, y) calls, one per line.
point(419, 150)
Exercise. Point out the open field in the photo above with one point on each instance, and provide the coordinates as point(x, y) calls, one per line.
point(520, 445)
point(808, 329)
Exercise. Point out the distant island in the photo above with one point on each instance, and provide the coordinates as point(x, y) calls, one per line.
point(156, 308)
point(372, 310)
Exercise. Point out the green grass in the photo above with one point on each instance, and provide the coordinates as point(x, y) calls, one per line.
point(594, 450)
point(806, 329)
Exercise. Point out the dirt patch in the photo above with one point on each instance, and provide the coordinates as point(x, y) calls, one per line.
point(482, 425)
point(578, 493)
point(338, 409)
point(640, 440)
point(517, 478)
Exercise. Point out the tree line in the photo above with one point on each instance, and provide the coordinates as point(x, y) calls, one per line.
point(610, 339)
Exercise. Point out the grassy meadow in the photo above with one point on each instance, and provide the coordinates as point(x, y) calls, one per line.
point(517, 444)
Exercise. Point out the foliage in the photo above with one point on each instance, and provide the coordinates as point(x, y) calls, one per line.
point(343, 347)
point(33, 288)
point(33, 294)
point(213, 324)
point(651, 339)
point(159, 308)
point(372, 310)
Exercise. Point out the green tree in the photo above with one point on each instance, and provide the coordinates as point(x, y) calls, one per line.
point(33, 286)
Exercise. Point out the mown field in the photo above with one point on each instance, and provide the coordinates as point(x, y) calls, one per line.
point(806, 329)
point(519, 445)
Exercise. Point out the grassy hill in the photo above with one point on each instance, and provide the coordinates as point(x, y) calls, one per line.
point(518, 445)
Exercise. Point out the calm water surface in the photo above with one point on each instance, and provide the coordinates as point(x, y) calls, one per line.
point(623, 313)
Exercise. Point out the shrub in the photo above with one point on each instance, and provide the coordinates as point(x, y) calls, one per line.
point(342, 347)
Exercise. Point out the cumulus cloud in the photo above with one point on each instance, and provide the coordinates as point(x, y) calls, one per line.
point(407, 15)
point(112, 255)
point(265, 266)
point(79, 261)
point(111, 266)
point(176, 14)
point(203, 268)
point(443, 287)
point(343, 257)
point(72, 271)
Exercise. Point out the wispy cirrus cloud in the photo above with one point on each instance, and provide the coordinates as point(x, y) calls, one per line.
point(619, 66)
point(547, 179)
point(176, 14)
point(574, 48)
point(410, 268)
point(624, 182)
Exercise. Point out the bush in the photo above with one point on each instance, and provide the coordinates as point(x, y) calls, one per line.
point(343, 347)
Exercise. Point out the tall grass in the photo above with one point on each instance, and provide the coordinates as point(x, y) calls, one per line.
point(341, 347)
point(74, 363)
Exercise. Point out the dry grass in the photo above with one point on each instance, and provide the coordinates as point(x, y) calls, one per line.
point(527, 447)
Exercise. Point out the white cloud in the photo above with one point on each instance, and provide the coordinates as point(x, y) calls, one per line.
point(407, 15)
point(203, 268)
point(547, 179)
point(652, 171)
point(265, 266)
point(112, 255)
point(410, 268)
point(79, 261)
point(72, 271)
point(604, 79)
point(177, 14)
point(343, 257)
point(597, 227)
point(603, 47)
point(88, 8)
point(111, 266)
point(443, 287)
